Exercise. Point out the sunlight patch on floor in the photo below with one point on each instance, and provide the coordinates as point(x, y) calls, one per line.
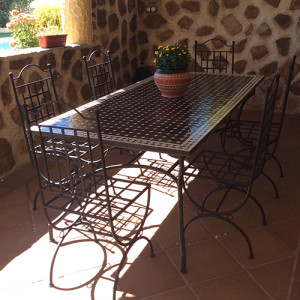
point(27, 276)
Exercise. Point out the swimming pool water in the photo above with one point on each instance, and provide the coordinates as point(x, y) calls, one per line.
point(4, 43)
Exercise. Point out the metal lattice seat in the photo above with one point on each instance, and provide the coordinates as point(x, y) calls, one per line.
point(89, 198)
point(214, 56)
point(246, 131)
point(236, 172)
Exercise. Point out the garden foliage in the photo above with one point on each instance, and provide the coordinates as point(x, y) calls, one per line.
point(48, 15)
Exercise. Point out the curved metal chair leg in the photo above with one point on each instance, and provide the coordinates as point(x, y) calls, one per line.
point(228, 221)
point(51, 284)
point(121, 265)
point(86, 239)
point(278, 164)
point(273, 184)
point(264, 222)
point(35, 200)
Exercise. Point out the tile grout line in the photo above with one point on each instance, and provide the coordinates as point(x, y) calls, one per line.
point(294, 269)
point(187, 284)
point(244, 268)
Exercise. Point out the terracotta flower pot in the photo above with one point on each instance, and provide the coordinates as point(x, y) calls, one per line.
point(172, 83)
point(50, 41)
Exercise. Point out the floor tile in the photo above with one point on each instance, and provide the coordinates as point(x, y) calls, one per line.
point(13, 215)
point(235, 286)
point(205, 260)
point(266, 248)
point(295, 293)
point(297, 266)
point(4, 190)
point(22, 194)
point(288, 232)
point(168, 230)
point(178, 294)
point(275, 277)
point(275, 209)
point(150, 275)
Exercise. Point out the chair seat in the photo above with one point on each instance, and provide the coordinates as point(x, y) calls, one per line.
point(226, 169)
point(90, 203)
point(248, 130)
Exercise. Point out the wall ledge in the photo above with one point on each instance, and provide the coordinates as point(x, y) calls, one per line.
point(11, 52)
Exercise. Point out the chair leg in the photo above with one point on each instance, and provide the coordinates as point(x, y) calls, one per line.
point(273, 184)
point(35, 200)
point(264, 222)
point(278, 164)
point(228, 221)
point(121, 265)
point(51, 284)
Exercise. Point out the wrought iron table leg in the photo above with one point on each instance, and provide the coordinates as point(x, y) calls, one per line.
point(180, 215)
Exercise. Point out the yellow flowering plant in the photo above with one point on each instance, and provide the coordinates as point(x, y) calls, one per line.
point(172, 57)
point(50, 30)
point(24, 29)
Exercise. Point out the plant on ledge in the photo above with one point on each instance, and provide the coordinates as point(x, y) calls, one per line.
point(51, 36)
point(51, 30)
point(24, 29)
point(172, 57)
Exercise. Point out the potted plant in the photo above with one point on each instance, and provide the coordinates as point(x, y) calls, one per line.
point(51, 36)
point(171, 76)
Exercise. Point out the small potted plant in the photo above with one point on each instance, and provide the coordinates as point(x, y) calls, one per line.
point(51, 36)
point(172, 77)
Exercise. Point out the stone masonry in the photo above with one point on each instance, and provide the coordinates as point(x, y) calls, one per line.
point(266, 35)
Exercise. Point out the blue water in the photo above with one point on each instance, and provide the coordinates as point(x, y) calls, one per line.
point(4, 43)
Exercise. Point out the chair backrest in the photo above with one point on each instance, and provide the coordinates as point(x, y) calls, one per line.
point(65, 158)
point(286, 95)
point(73, 178)
point(214, 56)
point(34, 87)
point(263, 140)
point(99, 73)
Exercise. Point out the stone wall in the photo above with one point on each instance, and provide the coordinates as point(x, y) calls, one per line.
point(115, 28)
point(266, 34)
point(71, 84)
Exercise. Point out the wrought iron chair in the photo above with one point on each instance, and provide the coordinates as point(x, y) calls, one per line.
point(246, 131)
point(101, 80)
point(215, 56)
point(100, 74)
point(233, 172)
point(92, 201)
point(34, 86)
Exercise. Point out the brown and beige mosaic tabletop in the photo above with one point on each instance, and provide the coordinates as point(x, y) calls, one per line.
point(138, 117)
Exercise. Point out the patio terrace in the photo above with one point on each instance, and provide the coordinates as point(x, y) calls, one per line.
point(218, 263)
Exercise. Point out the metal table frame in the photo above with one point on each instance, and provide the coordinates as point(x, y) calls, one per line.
point(138, 117)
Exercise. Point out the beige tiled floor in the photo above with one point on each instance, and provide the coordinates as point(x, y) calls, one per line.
point(218, 262)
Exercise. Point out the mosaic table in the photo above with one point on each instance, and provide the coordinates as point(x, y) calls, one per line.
point(138, 117)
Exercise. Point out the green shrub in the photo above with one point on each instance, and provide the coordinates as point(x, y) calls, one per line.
point(5, 7)
point(48, 15)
